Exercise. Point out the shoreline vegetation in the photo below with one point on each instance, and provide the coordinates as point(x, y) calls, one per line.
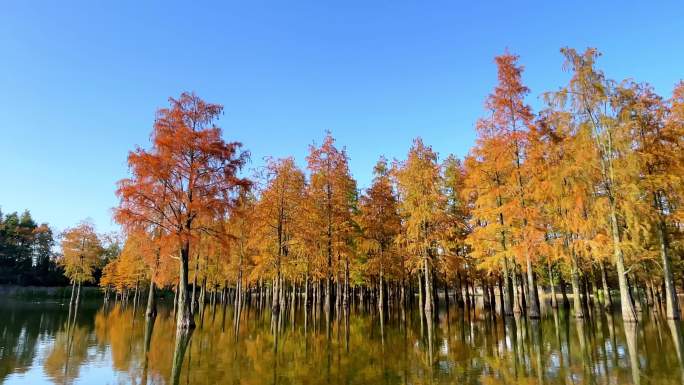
point(579, 199)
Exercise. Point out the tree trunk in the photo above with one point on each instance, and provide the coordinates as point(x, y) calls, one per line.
point(501, 296)
point(193, 298)
point(608, 299)
point(381, 294)
point(420, 299)
point(517, 305)
point(459, 293)
point(564, 293)
point(428, 289)
point(628, 311)
point(151, 309)
point(184, 319)
point(574, 279)
point(508, 297)
point(446, 295)
point(532, 290)
point(671, 301)
point(554, 300)
point(73, 292)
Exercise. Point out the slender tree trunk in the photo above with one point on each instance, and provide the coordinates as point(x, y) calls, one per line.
point(420, 300)
point(554, 299)
point(671, 301)
point(532, 289)
point(501, 296)
point(151, 310)
point(446, 295)
point(459, 293)
point(78, 294)
point(184, 319)
point(508, 297)
point(608, 299)
point(564, 292)
point(175, 300)
point(381, 294)
point(574, 275)
point(73, 292)
point(628, 311)
point(193, 297)
point(428, 289)
point(517, 304)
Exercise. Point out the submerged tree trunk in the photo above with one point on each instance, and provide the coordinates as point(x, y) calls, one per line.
point(420, 300)
point(151, 309)
point(554, 299)
point(501, 295)
point(671, 300)
point(532, 290)
point(608, 299)
point(564, 293)
point(459, 293)
point(78, 295)
point(508, 296)
point(428, 289)
point(628, 311)
point(517, 297)
point(184, 319)
point(574, 278)
point(73, 292)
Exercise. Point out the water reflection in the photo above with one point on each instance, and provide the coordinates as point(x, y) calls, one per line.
point(114, 344)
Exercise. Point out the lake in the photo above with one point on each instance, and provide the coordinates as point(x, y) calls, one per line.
point(107, 345)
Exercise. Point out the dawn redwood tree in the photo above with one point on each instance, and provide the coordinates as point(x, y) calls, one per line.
point(81, 251)
point(456, 253)
point(562, 189)
point(421, 204)
point(497, 183)
point(511, 119)
point(276, 212)
point(380, 224)
point(658, 174)
point(330, 200)
point(590, 96)
point(188, 174)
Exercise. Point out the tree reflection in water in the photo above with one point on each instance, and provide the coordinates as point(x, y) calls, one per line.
point(466, 346)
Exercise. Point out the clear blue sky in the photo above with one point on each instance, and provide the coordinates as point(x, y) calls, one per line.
point(80, 82)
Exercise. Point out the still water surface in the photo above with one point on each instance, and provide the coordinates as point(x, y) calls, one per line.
point(106, 345)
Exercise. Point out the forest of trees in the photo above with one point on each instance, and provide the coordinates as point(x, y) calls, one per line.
point(26, 252)
point(32, 254)
point(584, 195)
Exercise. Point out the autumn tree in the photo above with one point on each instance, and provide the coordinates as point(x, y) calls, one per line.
point(331, 195)
point(563, 191)
point(189, 173)
point(456, 227)
point(497, 183)
point(81, 251)
point(590, 96)
point(281, 200)
point(421, 207)
point(380, 223)
point(653, 199)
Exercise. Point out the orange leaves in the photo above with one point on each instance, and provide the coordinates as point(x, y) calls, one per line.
point(379, 221)
point(421, 200)
point(186, 183)
point(497, 181)
point(81, 252)
point(330, 200)
point(189, 172)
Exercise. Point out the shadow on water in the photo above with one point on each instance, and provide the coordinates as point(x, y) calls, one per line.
point(40, 343)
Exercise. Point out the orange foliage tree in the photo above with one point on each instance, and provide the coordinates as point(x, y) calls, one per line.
point(189, 173)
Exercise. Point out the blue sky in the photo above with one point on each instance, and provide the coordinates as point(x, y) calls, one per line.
point(80, 81)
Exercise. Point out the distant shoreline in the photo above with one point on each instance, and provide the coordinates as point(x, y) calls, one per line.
point(27, 292)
